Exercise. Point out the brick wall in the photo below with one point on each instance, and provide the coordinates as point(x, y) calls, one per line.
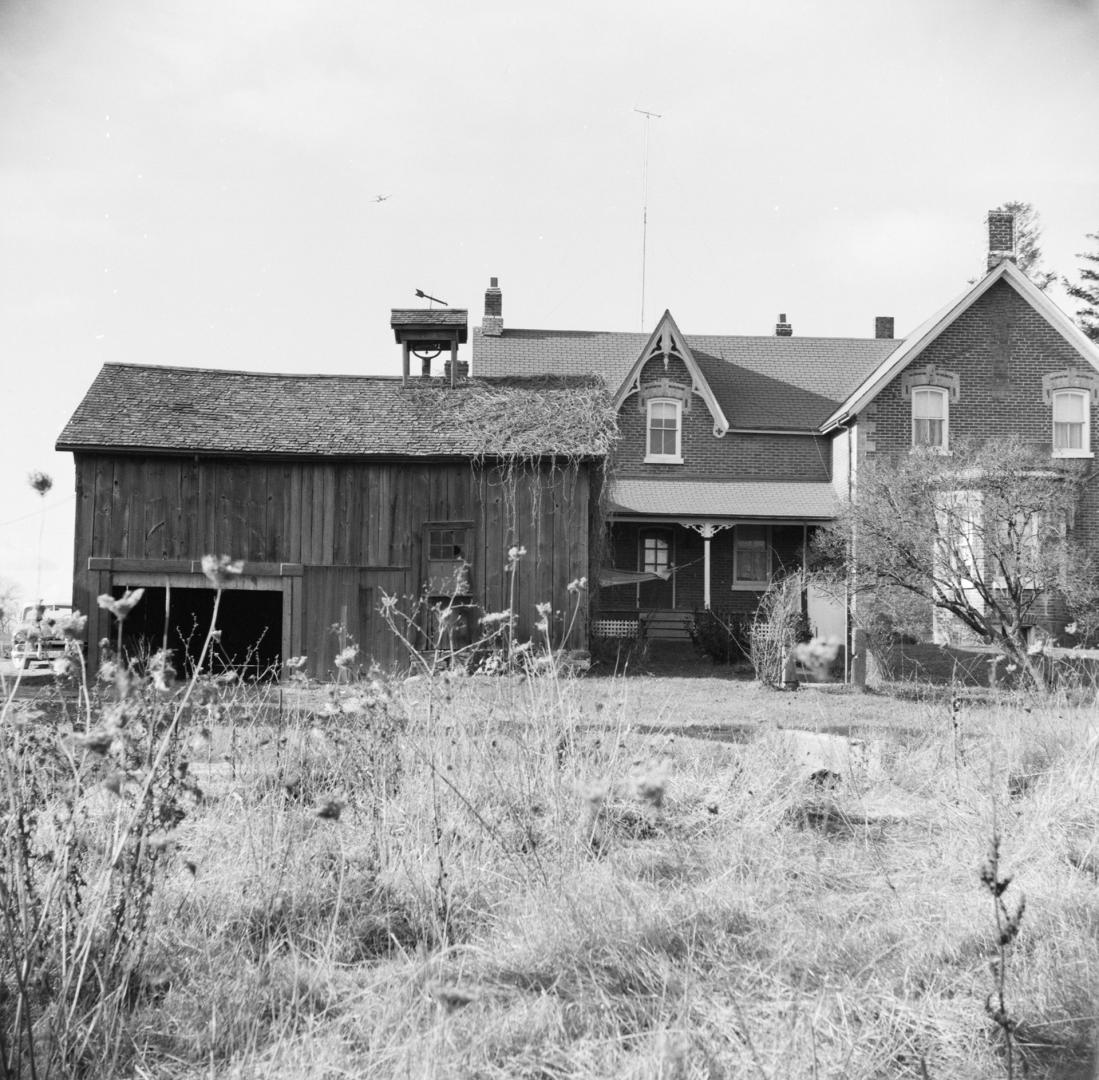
point(1000, 349)
point(735, 456)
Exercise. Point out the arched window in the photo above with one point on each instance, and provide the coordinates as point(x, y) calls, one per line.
point(1071, 423)
point(930, 417)
point(663, 430)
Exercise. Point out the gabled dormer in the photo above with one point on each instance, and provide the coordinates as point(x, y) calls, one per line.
point(665, 380)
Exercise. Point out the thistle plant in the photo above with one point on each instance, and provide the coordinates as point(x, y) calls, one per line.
point(41, 483)
point(88, 826)
point(1007, 930)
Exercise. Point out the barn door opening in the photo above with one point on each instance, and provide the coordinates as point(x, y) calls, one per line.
point(250, 621)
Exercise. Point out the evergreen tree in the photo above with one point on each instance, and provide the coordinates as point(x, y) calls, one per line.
point(1087, 291)
point(1028, 242)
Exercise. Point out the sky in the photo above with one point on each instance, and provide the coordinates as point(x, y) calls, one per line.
point(193, 182)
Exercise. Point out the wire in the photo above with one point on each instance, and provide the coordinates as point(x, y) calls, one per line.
point(40, 510)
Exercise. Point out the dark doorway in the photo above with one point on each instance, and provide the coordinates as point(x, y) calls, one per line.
point(250, 621)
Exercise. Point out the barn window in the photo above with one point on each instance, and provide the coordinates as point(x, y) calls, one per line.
point(447, 556)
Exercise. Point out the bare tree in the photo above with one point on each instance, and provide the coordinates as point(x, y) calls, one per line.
point(984, 535)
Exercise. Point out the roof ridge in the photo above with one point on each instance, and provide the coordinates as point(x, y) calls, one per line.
point(688, 335)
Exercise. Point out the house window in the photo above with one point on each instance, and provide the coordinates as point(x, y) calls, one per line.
point(664, 430)
point(656, 554)
point(1071, 423)
point(751, 557)
point(930, 417)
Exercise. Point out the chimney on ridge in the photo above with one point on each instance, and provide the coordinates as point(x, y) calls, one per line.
point(1001, 237)
point(883, 326)
point(783, 328)
point(493, 323)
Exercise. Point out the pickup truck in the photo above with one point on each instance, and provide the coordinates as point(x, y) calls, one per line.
point(36, 640)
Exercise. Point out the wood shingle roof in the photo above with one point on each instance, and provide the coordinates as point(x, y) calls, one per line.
point(198, 410)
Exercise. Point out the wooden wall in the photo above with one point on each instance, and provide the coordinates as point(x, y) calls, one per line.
point(355, 527)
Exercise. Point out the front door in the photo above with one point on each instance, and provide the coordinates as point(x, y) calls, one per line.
point(656, 555)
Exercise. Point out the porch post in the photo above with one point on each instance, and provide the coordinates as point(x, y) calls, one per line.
point(707, 536)
point(707, 530)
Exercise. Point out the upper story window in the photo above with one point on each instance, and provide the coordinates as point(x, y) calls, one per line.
point(664, 430)
point(1071, 423)
point(930, 417)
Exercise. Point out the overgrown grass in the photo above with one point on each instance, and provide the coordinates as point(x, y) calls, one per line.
point(530, 875)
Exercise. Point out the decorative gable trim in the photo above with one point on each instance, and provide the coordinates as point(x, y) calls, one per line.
point(933, 327)
point(1070, 379)
point(667, 389)
point(664, 343)
point(930, 375)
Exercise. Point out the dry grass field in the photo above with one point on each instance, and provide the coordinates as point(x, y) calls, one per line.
point(547, 877)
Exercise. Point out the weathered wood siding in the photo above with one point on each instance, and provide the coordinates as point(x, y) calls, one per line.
point(356, 529)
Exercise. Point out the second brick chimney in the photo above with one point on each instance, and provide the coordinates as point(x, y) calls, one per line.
point(492, 324)
point(783, 328)
point(1001, 237)
point(883, 326)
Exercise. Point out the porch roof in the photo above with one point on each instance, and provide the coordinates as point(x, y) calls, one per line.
point(701, 499)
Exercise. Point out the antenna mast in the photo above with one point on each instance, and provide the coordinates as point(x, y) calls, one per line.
point(649, 116)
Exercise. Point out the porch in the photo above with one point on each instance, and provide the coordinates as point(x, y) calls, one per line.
point(659, 573)
point(676, 548)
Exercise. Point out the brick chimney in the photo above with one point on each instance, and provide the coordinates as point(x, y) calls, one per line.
point(883, 326)
point(783, 328)
point(1001, 237)
point(493, 323)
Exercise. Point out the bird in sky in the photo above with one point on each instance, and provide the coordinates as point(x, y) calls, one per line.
point(382, 198)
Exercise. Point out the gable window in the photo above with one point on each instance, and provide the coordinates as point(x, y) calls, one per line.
point(751, 557)
point(1071, 423)
point(930, 417)
point(664, 428)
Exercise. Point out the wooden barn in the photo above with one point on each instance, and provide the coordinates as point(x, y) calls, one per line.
point(335, 491)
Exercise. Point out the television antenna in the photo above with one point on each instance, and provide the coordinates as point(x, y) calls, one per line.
point(649, 117)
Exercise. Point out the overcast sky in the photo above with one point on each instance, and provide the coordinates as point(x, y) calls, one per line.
point(192, 182)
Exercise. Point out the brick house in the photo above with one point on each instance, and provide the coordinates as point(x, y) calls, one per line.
point(733, 450)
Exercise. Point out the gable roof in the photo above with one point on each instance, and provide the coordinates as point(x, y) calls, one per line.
point(925, 334)
point(666, 340)
point(200, 410)
point(777, 383)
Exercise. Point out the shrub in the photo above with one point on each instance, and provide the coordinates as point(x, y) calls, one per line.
point(724, 637)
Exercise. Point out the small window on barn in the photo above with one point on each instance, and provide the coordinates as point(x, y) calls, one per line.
point(1071, 423)
point(930, 417)
point(447, 557)
point(664, 428)
point(751, 557)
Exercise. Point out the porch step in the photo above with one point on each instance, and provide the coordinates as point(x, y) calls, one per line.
point(667, 625)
